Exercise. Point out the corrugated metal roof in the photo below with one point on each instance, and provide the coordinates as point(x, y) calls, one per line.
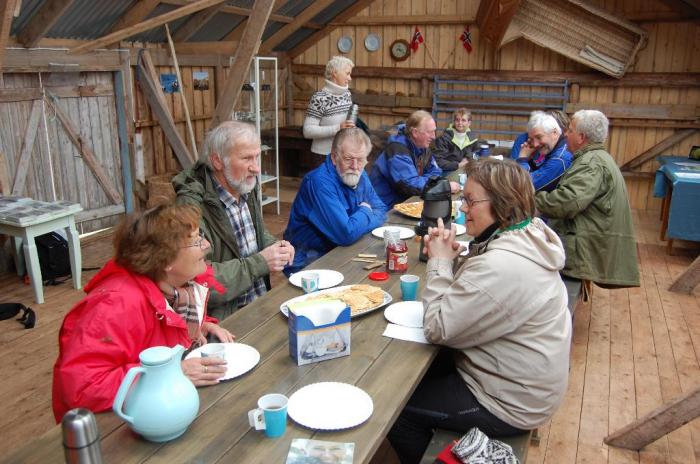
point(27, 10)
point(91, 19)
point(217, 28)
point(84, 21)
point(295, 39)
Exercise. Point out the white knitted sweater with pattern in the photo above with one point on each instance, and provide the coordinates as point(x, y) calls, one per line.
point(328, 108)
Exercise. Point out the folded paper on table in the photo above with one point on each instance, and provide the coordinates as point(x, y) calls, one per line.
point(318, 330)
point(410, 334)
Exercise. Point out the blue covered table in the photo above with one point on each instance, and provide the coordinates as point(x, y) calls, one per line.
point(678, 182)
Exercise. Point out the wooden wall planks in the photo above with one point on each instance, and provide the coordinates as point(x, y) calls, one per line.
point(672, 47)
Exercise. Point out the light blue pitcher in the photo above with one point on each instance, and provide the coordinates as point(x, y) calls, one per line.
point(162, 403)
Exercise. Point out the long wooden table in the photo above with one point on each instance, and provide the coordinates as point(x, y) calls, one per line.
point(387, 369)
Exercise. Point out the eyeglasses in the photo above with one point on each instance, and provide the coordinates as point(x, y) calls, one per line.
point(199, 242)
point(353, 162)
point(470, 203)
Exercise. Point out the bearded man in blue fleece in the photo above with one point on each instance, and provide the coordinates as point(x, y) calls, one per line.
point(336, 203)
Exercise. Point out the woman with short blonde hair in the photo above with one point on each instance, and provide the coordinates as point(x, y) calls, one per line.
point(328, 108)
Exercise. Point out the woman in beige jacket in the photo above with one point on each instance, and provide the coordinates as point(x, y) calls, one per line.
point(502, 317)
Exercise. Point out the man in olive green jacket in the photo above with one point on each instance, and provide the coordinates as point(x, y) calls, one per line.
point(224, 187)
point(590, 211)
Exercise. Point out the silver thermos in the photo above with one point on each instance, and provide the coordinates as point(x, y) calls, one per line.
point(352, 114)
point(81, 439)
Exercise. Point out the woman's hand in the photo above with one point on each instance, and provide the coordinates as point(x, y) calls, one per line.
point(347, 124)
point(219, 332)
point(204, 371)
point(440, 242)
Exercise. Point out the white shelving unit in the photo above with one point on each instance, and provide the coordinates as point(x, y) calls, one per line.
point(260, 107)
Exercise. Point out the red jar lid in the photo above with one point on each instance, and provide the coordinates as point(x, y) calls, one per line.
point(378, 276)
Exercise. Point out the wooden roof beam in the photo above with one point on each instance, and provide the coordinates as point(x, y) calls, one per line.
point(494, 18)
point(7, 10)
point(237, 10)
point(145, 26)
point(247, 49)
point(195, 23)
point(345, 15)
point(688, 8)
point(135, 14)
point(403, 20)
point(302, 18)
point(42, 21)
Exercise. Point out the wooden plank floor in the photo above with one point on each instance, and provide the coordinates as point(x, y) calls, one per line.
point(633, 350)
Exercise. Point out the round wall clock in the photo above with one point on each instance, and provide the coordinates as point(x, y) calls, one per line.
point(399, 50)
point(345, 44)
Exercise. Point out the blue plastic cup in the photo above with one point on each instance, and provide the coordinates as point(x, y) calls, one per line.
point(409, 287)
point(271, 415)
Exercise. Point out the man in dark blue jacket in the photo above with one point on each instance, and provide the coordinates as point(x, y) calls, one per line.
point(336, 203)
point(543, 151)
point(406, 164)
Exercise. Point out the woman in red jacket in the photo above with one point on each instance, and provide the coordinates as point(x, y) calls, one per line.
point(152, 293)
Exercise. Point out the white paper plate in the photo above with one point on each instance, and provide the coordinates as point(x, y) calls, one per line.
point(330, 406)
point(405, 313)
point(466, 244)
point(285, 310)
point(240, 358)
point(460, 228)
point(404, 232)
point(327, 278)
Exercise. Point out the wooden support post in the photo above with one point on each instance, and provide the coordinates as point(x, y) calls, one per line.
point(7, 10)
point(156, 100)
point(122, 129)
point(88, 155)
point(190, 131)
point(289, 96)
point(686, 282)
point(241, 61)
point(5, 187)
point(657, 423)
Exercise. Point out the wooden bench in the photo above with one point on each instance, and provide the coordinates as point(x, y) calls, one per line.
point(442, 438)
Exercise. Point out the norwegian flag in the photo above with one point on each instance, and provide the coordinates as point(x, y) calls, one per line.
point(416, 40)
point(466, 39)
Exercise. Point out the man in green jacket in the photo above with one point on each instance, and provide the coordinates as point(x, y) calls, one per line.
point(223, 184)
point(590, 211)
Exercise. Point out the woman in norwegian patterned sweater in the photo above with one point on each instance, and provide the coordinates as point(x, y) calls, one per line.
point(328, 108)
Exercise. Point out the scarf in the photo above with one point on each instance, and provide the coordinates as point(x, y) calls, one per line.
point(183, 302)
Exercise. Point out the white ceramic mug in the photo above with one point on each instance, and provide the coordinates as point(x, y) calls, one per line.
point(310, 282)
point(213, 350)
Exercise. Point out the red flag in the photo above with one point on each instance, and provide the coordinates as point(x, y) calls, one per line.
point(466, 39)
point(416, 40)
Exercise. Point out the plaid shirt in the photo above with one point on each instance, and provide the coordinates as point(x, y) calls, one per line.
point(244, 232)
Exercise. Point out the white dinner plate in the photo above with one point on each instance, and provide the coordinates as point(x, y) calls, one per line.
point(285, 310)
point(460, 228)
point(330, 406)
point(405, 313)
point(465, 244)
point(327, 278)
point(404, 232)
point(240, 358)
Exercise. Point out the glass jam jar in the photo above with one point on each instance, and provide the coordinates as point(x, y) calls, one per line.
point(396, 256)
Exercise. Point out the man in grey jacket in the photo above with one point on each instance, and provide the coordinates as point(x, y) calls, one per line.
point(223, 184)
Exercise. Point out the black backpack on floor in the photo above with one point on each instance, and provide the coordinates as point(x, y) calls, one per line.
point(54, 260)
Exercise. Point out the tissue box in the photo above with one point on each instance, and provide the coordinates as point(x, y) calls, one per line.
point(318, 330)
